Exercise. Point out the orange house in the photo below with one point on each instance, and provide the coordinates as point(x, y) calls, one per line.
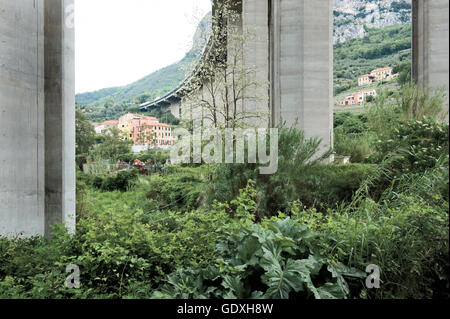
point(145, 130)
point(154, 133)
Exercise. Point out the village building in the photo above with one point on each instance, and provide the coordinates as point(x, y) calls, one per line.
point(366, 79)
point(382, 74)
point(357, 98)
point(376, 75)
point(132, 116)
point(103, 128)
point(145, 131)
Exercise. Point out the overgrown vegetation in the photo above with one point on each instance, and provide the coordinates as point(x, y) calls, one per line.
point(308, 231)
point(225, 231)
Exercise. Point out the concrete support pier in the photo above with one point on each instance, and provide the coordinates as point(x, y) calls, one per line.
point(430, 44)
point(37, 117)
point(302, 66)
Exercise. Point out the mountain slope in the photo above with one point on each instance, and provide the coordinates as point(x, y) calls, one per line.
point(90, 97)
point(353, 16)
point(111, 103)
point(389, 46)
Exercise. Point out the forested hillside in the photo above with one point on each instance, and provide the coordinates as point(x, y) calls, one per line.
point(110, 106)
point(90, 97)
point(390, 46)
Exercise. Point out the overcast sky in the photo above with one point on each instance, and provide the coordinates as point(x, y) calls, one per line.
point(121, 41)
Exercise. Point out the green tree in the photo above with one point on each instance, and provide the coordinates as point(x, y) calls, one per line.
point(226, 80)
point(112, 146)
point(370, 98)
point(84, 137)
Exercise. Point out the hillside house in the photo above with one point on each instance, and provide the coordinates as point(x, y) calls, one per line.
point(145, 130)
point(376, 75)
point(357, 98)
point(102, 128)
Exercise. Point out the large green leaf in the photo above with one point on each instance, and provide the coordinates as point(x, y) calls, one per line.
point(282, 279)
point(234, 287)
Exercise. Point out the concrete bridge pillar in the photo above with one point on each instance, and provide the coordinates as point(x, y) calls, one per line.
point(37, 117)
point(301, 46)
point(430, 44)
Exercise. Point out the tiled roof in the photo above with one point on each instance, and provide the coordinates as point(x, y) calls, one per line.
point(381, 69)
point(110, 122)
point(107, 123)
point(144, 116)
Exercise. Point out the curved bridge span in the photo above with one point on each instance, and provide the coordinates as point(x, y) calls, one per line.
point(292, 53)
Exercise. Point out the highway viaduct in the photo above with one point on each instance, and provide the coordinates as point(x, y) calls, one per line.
point(293, 50)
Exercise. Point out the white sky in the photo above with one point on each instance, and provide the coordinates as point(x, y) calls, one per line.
point(120, 41)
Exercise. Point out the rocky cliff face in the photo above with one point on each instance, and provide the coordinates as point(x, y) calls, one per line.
point(351, 16)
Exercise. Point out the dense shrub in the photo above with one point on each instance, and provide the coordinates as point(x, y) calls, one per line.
point(274, 260)
point(406, 238)
point(299, 177)
point(357, 146)
point(122, 181)
point(178, 190)
point(325, 186)
point(352, 136)
point(416, 145)
point(295, 151)
point(33, 268)
point(221, 252)
point(351, 123)
point(403, 68)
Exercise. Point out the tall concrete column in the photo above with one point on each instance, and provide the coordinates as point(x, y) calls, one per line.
point(37, 135)
point(255, 27)
point(302, 66)
point(22, 173)
point(59, 114)
point(430, 44)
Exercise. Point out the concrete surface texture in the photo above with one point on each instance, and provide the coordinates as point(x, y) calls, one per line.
point(302, 66)
point(37, 119)
point(430, 44)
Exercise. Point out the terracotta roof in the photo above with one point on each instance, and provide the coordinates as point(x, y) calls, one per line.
point(381, 69)
point(111, 122)
point(149, 122)
point(144, 116)
point(108, 123)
